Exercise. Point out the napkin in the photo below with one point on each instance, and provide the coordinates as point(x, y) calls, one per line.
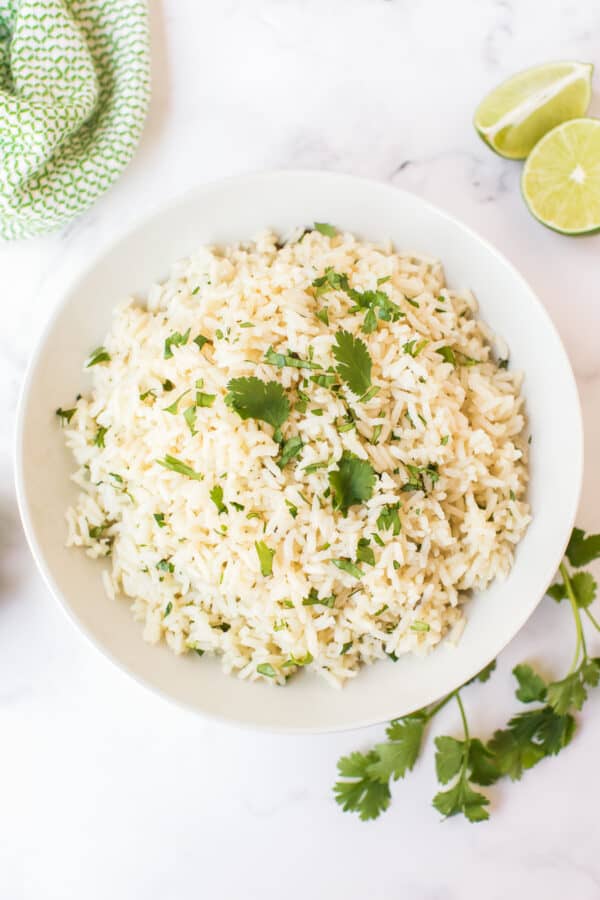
point(74, 89)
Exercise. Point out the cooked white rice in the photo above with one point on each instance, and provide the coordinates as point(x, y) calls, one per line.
point(193, 574)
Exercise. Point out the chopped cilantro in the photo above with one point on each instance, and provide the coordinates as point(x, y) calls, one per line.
point(324, 228)
point(364, 553)
point(289, 449)
point(288, 359)
point(190, 419)
point(175, 340)
point(216, 495)
point(376, 434)
point(293, 509)
point(176, 465)
point(313, 599)
point(346, 565)
point(331, 280)
point(266, 669)
point(201, 340)
point(414, 347)
point(100, 435)
point(173, 407)
point(160, 519)
point(65, 415)
point(265, 558)
point(314, 467)
point(389, 518)
point(447, 354)
point(99, 355)
point(164, 565)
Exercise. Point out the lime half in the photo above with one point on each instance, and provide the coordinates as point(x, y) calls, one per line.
point(561, 178)
point(516, 114)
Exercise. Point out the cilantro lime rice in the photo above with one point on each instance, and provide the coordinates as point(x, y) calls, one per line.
point(299, 456)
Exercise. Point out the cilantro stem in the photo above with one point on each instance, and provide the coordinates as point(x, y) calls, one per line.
point(593, 620)
point(435, 709)
point(580, 645)
point(463, 717)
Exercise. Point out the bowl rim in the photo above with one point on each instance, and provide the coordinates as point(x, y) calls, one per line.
point(56, 295)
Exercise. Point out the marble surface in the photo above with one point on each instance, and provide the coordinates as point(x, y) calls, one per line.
point(107, 791)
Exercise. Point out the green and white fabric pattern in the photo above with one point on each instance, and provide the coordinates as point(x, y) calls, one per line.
point(74, 89)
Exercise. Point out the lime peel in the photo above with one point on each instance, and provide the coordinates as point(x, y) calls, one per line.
point(561, 178)
point(517, 113)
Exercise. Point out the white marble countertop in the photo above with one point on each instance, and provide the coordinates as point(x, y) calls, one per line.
point(107, 791)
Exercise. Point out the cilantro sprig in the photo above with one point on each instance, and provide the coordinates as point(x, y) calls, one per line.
point(539, 732)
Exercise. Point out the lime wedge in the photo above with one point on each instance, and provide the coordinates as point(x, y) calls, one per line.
point(516, 114)
point(561, 178)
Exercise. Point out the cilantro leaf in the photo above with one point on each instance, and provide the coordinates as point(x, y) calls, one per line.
point(354, 362)
point(584, 587)
point(358, 792)
point(512, 756)
point(449, 758)
point(351, 483)
point(461, 798)
point(528, 738)
point(485, 673)
point(398, 756)
point(252, 398)
point(566, 693)
point(483, 769)
point(265, 558)
point(324, 228)
point(531, 688)
point(557, 591)
point(590, 671)
point(582, 550)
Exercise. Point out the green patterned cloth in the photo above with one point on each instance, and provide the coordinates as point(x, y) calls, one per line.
point(74, 88)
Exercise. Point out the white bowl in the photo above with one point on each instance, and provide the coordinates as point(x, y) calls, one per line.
point(236, 209)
